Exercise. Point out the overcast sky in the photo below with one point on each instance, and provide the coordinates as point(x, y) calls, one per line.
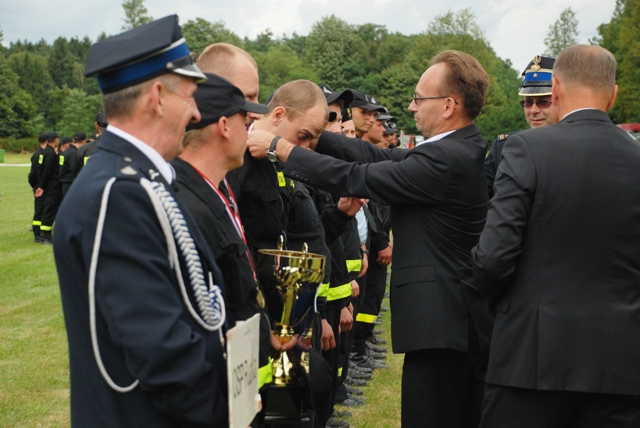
point(515, 29)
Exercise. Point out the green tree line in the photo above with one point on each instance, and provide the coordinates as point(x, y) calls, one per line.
point(42, 85)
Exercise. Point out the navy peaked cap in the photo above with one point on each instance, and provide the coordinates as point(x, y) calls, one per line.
point(141, 54)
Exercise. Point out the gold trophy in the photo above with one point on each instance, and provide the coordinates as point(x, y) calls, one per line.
point(297, 275)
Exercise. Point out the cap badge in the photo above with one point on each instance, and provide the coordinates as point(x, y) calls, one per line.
point(373, 100)
point(326, 90)
point(536, 63)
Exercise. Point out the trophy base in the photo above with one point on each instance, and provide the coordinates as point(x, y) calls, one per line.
point(286, 405)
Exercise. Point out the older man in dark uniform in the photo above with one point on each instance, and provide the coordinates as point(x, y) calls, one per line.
point(140, 290)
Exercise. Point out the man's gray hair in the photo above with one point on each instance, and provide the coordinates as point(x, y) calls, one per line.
point(588, 66)
point(121, 104)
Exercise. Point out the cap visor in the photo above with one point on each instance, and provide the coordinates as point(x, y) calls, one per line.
point(384, 117)
point(537, 91)
point(346, 96)
point(370, 107)
point(255, 108)
point(191, 70)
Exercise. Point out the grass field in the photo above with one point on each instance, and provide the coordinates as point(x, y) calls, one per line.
point(34, 384)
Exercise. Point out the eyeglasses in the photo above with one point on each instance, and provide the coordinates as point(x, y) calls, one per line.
point(539, 103)
point(416, 98)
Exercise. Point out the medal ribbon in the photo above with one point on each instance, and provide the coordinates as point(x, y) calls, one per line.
point(232, 209)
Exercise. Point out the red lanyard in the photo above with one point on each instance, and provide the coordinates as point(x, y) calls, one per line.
point(232, 210)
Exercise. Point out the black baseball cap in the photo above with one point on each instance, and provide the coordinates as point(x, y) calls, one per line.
point(390, 127)
point(217, 97)
point(101, 119)
point(52, 135)
point(364, 101)
point(140, 54)
point(42, 137)
point(79, 136)
point(346, 96)
point(384, 115)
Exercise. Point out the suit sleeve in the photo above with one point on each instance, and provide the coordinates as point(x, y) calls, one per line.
point(494, 257)
point(354, 149)
point(137, 295)
point(420, 178)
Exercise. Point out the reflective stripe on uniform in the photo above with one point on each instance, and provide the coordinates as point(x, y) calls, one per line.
point(265, 373)
point(366, 318)
point(354, 265)
point(323, 290)
point(340, 292)
point(86, 158)
point(46, 228)
point(340, 372)
point(40, 159)
point(61, 160)
point(36, 222)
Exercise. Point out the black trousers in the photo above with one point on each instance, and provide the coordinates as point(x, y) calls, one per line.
point(38, 209)
point(443, 388)
point(370, 308)
point(65, 189)
point(52, 197)
point(332, 356)
point(506, 406)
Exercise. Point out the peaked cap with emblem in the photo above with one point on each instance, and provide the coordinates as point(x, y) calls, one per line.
point(537, 77)
point(346, 96)
point(141, 54)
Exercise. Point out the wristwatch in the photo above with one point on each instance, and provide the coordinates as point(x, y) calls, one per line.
point(271, 153)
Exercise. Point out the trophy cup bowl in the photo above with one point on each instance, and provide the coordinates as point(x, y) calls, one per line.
point(297, 276)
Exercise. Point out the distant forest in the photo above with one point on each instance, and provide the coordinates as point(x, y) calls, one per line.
point(42, 86)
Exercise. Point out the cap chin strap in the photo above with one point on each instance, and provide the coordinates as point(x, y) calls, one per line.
point(209, 300)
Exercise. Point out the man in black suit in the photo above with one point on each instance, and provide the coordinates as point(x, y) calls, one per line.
point(140, 290)
point(438, 198)
point(558, 258)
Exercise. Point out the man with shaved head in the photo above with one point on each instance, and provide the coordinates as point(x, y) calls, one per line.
point(235, 65)
point(558, 259)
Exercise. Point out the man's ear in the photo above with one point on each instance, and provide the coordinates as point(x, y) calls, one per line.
point(555, 88)
point(223, 128)
point(449, 107)
point(613, 97)
point(156, 98)
point(278, 114)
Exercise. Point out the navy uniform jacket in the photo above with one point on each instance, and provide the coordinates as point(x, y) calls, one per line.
point(229, 250)
point(560, 259)
point(438, 197)
point(144, 329)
